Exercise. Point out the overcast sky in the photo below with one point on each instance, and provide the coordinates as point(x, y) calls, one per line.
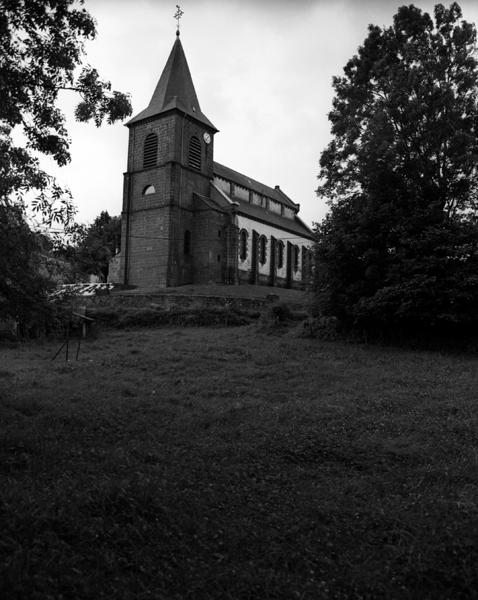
point(262, 70)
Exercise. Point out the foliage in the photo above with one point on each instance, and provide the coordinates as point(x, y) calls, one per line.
point(324, 328)
point(23, 286)
point(95, 245)
point(278, 312)
point(41, 49)
point(399, 246)
point(41, 53)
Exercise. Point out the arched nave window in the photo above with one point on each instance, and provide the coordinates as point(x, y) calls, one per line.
point(243, 236)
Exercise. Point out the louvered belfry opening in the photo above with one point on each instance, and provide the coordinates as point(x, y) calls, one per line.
point(194, 156)
point(150, 151)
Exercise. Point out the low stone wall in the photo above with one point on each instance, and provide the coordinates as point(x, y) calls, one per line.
point(169, 300)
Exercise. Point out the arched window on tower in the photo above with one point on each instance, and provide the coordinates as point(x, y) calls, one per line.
point(280, 255)
point(194, 154)
point(187, 242)
point(243, 244)
point(148, 190)
point(150, 152)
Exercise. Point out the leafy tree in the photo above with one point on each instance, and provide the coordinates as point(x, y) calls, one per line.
point(399, 245)
point(41, 55)
point(23, 287)
point(41, 50)
point(98, 244)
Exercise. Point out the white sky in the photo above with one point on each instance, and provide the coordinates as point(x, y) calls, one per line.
point(262, 70)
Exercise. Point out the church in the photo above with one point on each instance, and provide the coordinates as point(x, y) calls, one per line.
point(187, 219)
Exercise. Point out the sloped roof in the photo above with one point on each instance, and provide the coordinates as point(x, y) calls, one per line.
point(215, 202)
point(258, 213)
point(221, 198)
point(175, 90)
point(260, 188)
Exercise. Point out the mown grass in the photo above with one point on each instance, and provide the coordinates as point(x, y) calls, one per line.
point(226, 463)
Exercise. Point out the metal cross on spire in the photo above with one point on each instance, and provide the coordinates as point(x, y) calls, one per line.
point(177, 16)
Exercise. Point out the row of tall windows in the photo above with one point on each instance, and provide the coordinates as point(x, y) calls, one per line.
point(262, 251)
point(150, 152)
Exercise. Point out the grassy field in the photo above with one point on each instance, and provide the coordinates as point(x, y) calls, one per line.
point(230, 464)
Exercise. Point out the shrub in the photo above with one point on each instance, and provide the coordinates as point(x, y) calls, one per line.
point(279, 312)
point(325, 328)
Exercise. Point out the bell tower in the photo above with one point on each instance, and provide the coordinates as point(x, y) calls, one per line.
point(170, 157)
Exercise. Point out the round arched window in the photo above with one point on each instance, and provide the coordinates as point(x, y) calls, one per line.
point(296, 258)
point(280, 255)
point(263, 249)
point(243, 244)
point(149, 189)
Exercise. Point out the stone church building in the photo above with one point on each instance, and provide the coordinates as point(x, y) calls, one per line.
point(186, 218)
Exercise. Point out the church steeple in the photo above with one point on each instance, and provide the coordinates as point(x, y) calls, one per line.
point(175, 90)
point(170, 166)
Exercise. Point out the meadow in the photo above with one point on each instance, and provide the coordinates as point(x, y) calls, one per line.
point(229, 463)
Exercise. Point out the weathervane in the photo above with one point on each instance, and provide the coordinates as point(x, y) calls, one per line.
point(177, 16)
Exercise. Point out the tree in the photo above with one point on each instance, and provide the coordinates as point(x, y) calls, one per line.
point(41, 53)
point(399, 245)
point(99, 243)
point(23, 287)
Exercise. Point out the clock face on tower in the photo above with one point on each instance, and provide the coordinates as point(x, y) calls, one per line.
point(206, 137)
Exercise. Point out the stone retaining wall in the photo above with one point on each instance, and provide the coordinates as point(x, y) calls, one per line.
point(169, 300)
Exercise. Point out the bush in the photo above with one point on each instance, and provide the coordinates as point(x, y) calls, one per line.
point(275, 318)
point(276, 313)
point(324, 328)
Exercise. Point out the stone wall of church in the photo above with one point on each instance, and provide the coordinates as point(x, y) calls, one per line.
point(160, 179)
point(247, 266)
point(159, 202)
point(185, 129)
point(209, 246)
point(148, 247)
point(180, 258)
point(145, 260)
point(164, 128)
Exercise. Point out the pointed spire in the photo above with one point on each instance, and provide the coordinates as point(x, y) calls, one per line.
point(175, 89)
